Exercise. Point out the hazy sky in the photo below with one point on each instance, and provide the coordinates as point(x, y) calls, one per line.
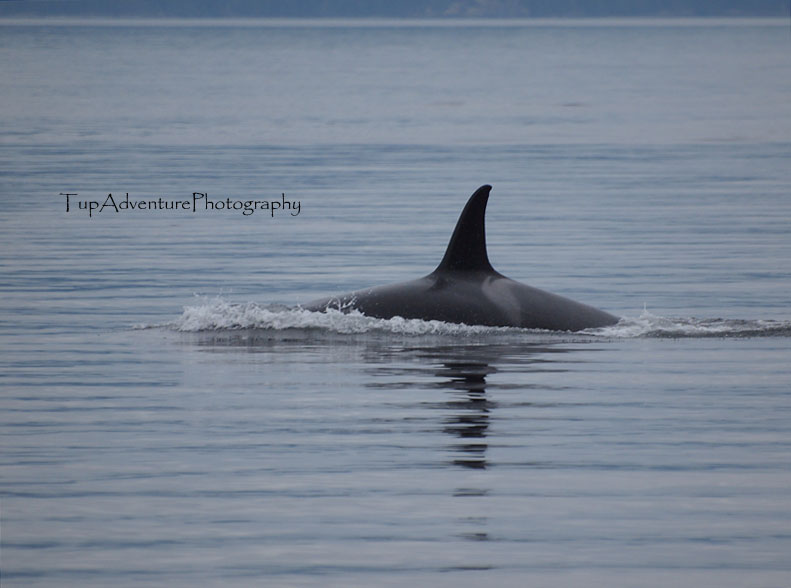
point(403, 8)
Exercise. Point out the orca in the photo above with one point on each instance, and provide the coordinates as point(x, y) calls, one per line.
point(466, 289)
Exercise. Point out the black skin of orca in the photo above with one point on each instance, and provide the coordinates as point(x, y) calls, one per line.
point(465, 288)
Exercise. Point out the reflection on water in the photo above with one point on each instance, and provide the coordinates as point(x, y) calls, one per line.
point(469, 421)
point(462, 371)
point(452, 386)
point(393, 363)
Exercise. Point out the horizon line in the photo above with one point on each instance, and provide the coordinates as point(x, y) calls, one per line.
point(375, 21)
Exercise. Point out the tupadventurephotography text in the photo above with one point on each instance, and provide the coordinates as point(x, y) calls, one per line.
point(199, 202)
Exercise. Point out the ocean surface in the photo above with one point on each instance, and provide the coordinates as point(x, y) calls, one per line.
point(170, 417)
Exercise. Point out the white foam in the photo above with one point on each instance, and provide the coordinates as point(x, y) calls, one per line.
point(218, 314)
point(651, 325)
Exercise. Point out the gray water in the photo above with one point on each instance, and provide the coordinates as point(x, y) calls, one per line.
point(168, 418)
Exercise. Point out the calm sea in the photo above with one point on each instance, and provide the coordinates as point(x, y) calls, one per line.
point(167, 418)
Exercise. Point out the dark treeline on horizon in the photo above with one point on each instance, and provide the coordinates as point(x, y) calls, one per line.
point(400, 9)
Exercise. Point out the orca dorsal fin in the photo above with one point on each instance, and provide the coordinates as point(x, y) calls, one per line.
point(467, 248)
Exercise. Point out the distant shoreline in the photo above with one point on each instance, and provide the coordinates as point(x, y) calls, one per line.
point(377, 22)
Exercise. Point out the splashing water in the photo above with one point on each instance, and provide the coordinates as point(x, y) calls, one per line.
point(219, 314)
point(651, 325)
